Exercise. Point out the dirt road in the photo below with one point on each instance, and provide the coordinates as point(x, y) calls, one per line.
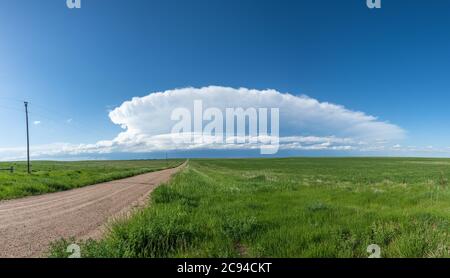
point(28, 225)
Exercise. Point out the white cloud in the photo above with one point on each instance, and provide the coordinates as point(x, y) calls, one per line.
point(37, 122)
point(145, 117)
point(305, 123)
point(150, 115)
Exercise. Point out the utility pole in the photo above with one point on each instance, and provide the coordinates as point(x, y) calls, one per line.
point(28, 138)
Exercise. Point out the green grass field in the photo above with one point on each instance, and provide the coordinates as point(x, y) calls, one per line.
point(58, 176)
point(297, 207)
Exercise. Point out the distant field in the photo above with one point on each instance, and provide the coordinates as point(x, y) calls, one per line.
point(50, 176)
point(298, 207)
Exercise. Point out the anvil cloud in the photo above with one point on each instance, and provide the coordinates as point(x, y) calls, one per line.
point(305, 124)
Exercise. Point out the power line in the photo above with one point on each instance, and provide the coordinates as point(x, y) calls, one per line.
point(50, 111)
point(11, 108)
point(12, 99)
point(73, 125)
point(55, 117)
point(50, 116)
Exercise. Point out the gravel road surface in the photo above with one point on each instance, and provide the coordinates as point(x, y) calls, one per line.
point(28, 225)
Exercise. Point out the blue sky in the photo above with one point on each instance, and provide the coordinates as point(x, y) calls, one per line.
point(76, 65)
